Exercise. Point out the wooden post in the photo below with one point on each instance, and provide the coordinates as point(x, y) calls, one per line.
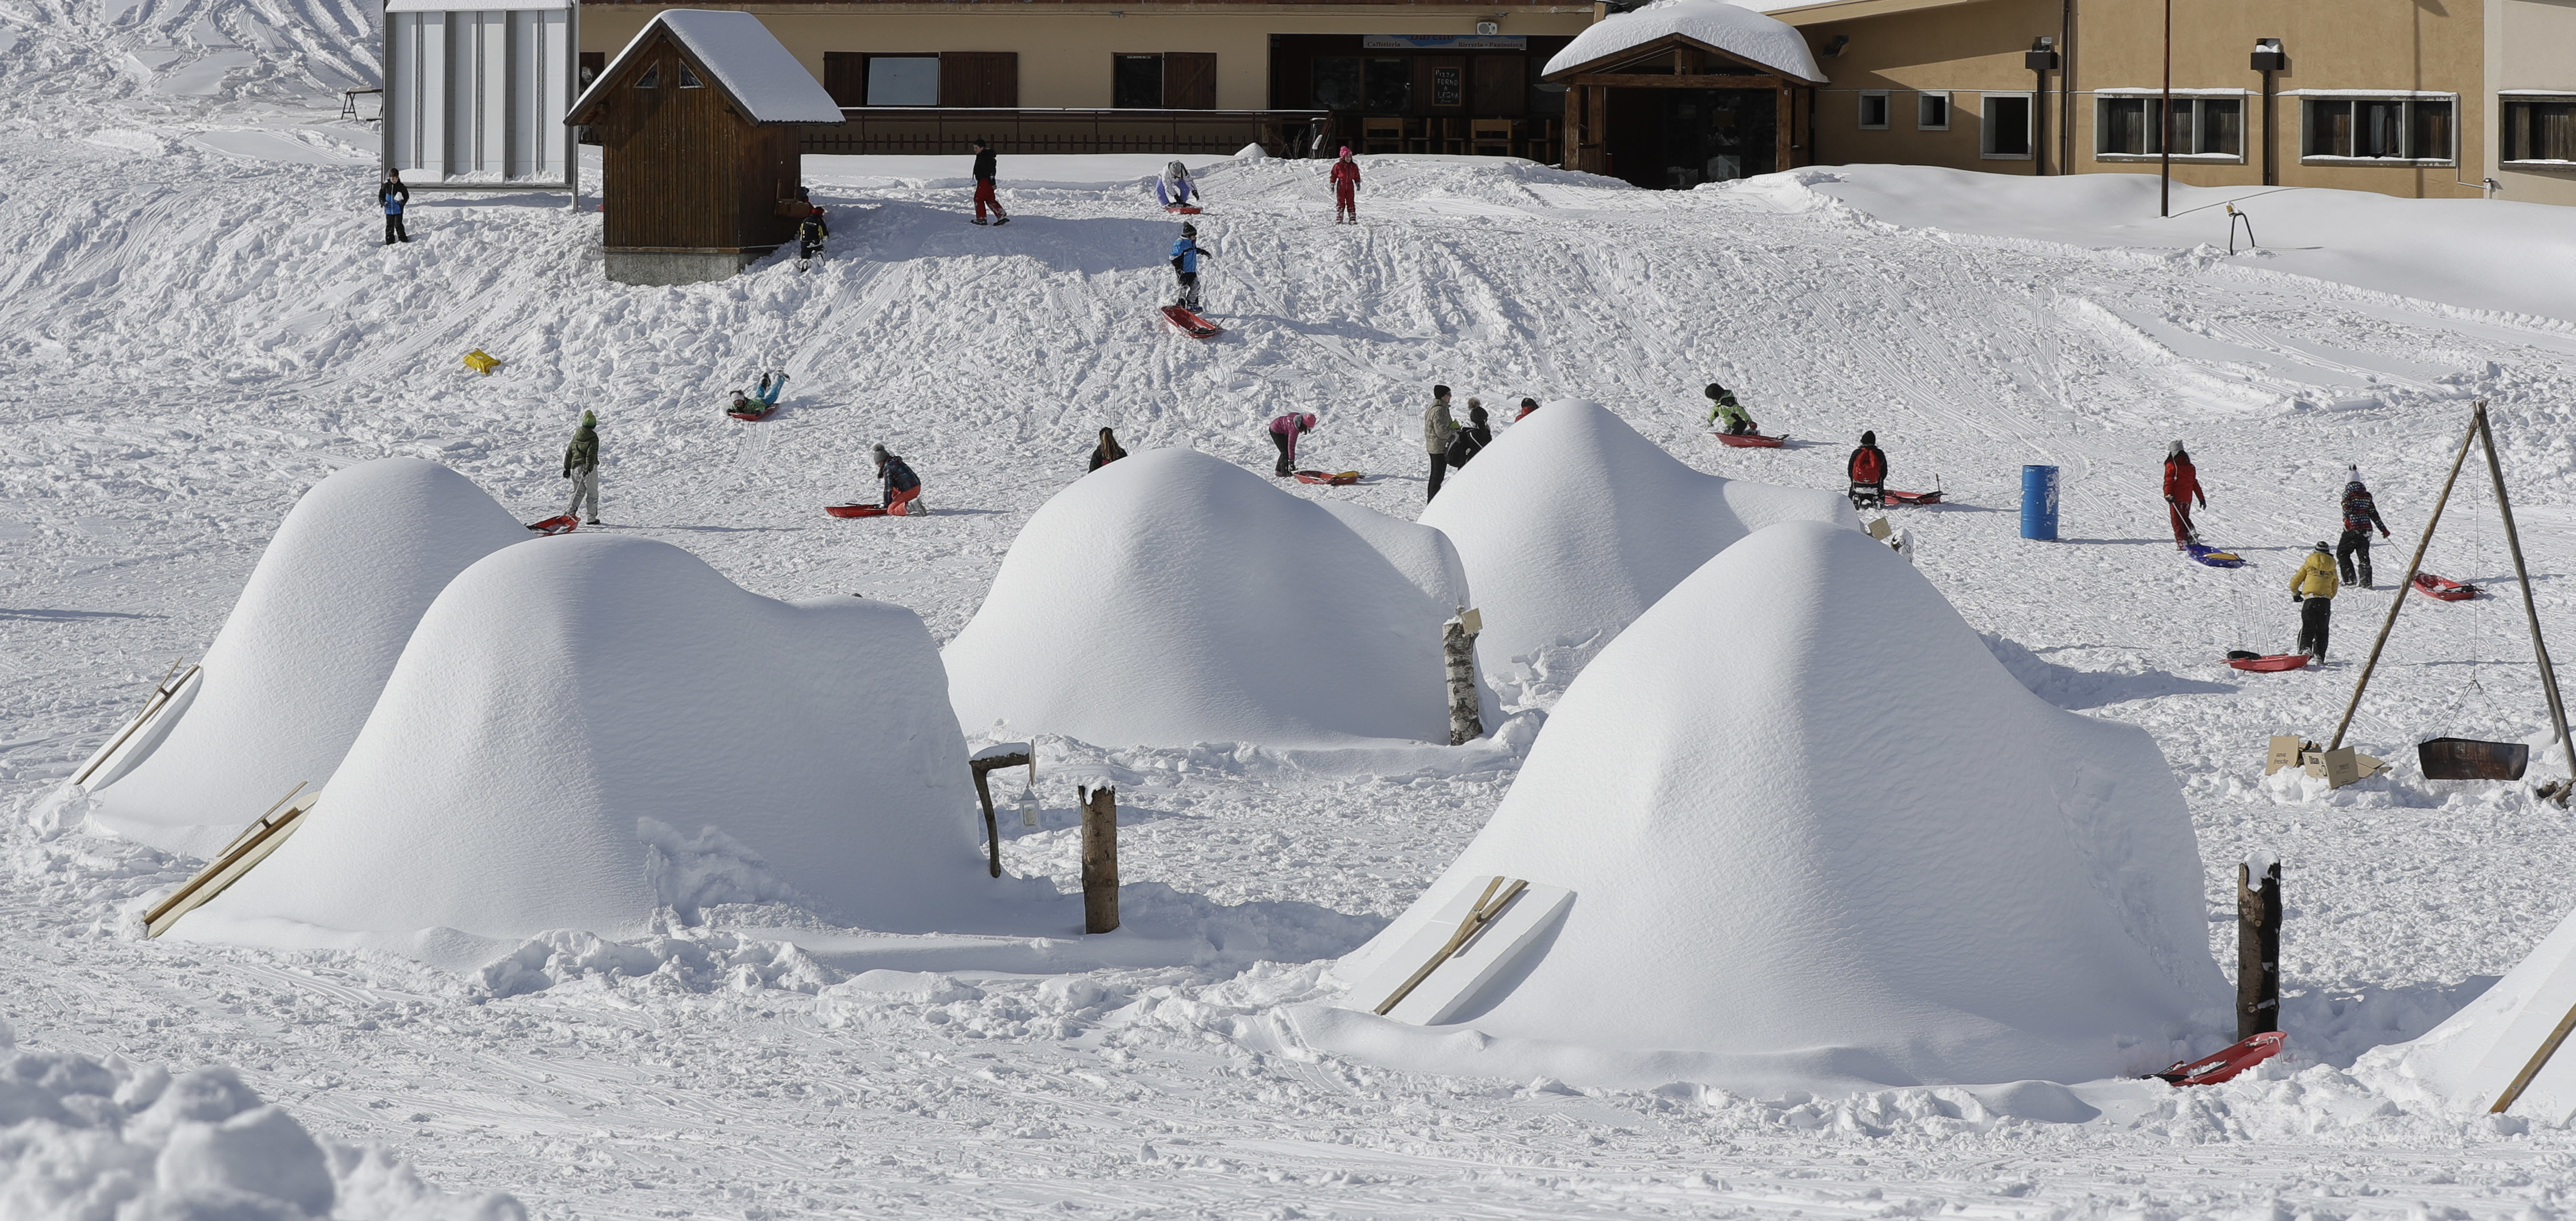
point(984, 793)
point(2258, 951)
point(1100, 860)
point(2539, 648)
point(2413, 566)
point(1458, 646)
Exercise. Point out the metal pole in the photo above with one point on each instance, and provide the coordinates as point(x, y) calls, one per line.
point(2476, 421)
point(2513, 541)
point(2164, 127)
point(2066, 87)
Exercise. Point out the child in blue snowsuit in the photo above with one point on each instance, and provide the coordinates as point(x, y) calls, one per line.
point(1185, 263)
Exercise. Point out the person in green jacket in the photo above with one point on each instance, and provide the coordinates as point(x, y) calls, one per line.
point(581, 465)
point(1722, 407)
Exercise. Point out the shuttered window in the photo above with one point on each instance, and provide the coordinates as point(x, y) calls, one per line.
point(1189, 80)
point(2540, 129)
point(979, 78)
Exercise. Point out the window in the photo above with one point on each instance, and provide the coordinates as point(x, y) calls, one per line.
point(2540, 129)
point(2003, 131)
point(2378, 129)
point(1337, 82)
point(2128, 126)
point(689, 79)
point(652, 78)
point(1932, 111)
point(1387, 86)
point(1136, 82)
point(903, 80)
point(1873, 111)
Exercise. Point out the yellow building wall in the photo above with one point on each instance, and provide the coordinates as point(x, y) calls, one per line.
point(2531, 44)
point(1065, 49)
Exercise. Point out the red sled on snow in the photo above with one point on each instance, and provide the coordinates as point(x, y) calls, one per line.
point(855, 510)
point(2272, 664)
point(2449, 591)
point(1752, 440)
point(762, 414)
point(1342, 479)
point(1895, 497)
point(1191, 324)
point(2223, 1066)
point(561, 524)
point(1183, 209)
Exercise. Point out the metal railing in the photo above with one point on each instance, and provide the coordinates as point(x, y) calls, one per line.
point(1014, 130)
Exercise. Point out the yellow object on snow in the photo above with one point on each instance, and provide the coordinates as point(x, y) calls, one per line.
point(482, 362)
point(2316, 578)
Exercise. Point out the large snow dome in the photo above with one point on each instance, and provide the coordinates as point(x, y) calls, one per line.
point(1572, 523)
point(1172, 598)
point(306, 650)
point(2467, 1062)
point(588, 729)
point(1835, 844)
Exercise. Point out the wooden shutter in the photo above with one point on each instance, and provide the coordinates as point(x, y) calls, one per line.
point(1189, 80)
point(1502, 84)
point(979, 78)
point(845, 77)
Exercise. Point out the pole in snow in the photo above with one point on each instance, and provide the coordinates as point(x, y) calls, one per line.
point(2164, 123)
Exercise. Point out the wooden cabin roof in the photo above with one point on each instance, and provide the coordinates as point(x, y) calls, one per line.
point(1723, 29)
point(739, 58)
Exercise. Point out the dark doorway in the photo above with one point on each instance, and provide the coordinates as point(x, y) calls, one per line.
point(1673, 139)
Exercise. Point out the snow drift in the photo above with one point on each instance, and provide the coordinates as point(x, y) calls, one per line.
point(1174, 598)
point(587, 731)
point(1572, 523)
point(2468, 1061)
point(290, 679)
point(1847, 849)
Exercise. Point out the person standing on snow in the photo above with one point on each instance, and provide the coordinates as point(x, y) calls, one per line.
point(1868, 471)
point(900, 486)
point(1472, 439)
point(1284, 432)
point(2182, 484)
point(2360, 513)
point(1175, 188)
point(1346, 189)
point(581, 465)
point(1186, 254)
point(394, 197)
point(1438, 429)
point(985, 170)
point(1722, 407)
point(2313, 588)
point(1106, 452)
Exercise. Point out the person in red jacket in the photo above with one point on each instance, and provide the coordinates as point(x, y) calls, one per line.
point(1868, 471)
point(1346, 187)
point(2182, 485)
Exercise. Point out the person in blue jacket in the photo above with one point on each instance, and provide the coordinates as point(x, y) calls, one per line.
point(393, 195)
point(1186, 254)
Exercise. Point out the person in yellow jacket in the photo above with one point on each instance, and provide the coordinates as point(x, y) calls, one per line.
point(2313, 587)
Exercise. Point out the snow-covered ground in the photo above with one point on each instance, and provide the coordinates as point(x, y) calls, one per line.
point(198, 324)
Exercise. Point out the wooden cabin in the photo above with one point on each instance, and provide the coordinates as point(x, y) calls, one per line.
point(699, 121)
point(1675, 95)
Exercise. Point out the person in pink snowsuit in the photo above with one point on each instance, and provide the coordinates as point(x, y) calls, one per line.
point(1283, 433)
point(1346, 188)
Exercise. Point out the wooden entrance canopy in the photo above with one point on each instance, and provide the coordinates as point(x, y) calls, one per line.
point(1677, 61)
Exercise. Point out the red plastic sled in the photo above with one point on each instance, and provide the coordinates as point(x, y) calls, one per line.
point(751, 415)
point(1191, 324)
point(1750, 440)
point(2210, 1070)
point(855, 510)
point(2447, 590)
point(1337, 480)
point(2267, 665)
point(1895, 497)
point(1183, 209)
point(562, 524)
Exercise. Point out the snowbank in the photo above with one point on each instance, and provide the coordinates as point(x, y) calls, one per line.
point(1767, 41)
point(1174, 598)
point(82, 1139)
point(1842, 848)
point(2466, 1063)
point(1572, 524)
point(589, 730)
point(291, 677)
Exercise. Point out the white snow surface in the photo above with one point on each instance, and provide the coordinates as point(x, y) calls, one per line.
point(744, 57)
point(1767, 41)
point(1173, 597)
point(1572, 523)
point(2468, 1062)
point(588, 731)
point(306, 650)
point(1786, 876)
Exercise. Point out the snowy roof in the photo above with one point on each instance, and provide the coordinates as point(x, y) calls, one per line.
point(471, 6)
point(748, 63)
point(1727, 27)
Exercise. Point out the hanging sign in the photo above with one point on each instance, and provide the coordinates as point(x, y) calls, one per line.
point(1444, 42)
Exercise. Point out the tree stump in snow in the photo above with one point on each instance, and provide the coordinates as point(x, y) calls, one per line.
point(1100, 860)
point(2258, 951)
point(1458, 645)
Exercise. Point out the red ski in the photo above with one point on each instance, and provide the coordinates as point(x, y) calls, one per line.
point(2449, 591)
point(1191, 324)
point(1751, 440)
point(855, 510)
point(562, 524)
point(2274, 663)
point(2210, 1070)
point(1342, 479)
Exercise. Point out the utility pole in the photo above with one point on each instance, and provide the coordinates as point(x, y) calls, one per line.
point(2164, 126)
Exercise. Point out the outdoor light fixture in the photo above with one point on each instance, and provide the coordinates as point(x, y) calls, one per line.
point(2268, 56)
point(2042, 55)
point(1489, 27)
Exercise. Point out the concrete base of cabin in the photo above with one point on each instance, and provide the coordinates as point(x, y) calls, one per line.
point(664, 267)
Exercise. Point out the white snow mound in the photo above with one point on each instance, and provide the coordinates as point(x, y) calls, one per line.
point(1827, 843)
point(588, 731)
point(2468, 1061)
point(1767, 41)
point(1172, 598)
point(1572, 523)
point(290, 679)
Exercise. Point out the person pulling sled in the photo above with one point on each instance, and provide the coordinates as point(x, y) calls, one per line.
point(1177, 189)
point(1867, 470)
point(1186, 253)
point(2360, 513)
point(1284, 432)
point(1725, 412)
point(1346, 189)
point(2182, 485)
point(901, 487)
point(2312, 588)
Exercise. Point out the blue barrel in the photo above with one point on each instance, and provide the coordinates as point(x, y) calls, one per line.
point(2039, 503)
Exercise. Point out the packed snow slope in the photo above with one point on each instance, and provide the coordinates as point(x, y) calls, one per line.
point(2475, 1056)
point(289, 681)
point(1785, 876)
point(587, 731)
point(1572, 524)
point(1172, 597)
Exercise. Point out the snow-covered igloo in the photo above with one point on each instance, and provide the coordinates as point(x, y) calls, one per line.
point(1172, 598)
point(1830, 843)
point(306, 650)
point(1572, 523)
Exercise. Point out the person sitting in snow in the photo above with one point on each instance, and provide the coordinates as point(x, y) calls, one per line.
point(1472, 439)
point(1868, 472)
point(1722, 407)
point(1106, 451)
point(901, 486)
point(761, 401)
point(1186, 254)
point(1284, 432)
point(1176, 188)
point(1346, 188)
point(2182, 483)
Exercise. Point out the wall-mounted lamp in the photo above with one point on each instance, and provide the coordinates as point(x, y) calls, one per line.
point(2268, 56)
point(1489, 27)
point(2042, 55)
point(1834, 46)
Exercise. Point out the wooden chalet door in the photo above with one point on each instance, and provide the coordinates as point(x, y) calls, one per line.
point(1189, 80)
point(979, 78)
point(1502, 85)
